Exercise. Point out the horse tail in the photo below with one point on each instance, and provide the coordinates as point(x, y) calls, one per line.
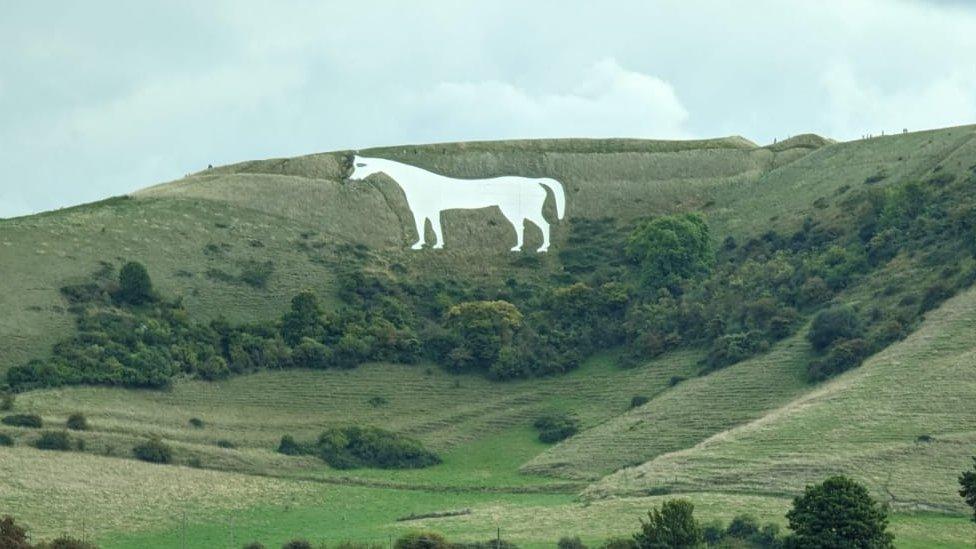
point(558, 193)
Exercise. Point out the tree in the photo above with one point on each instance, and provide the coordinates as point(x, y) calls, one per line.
point(832, 324)
point(304, 320)
point(670, 249)
point(135, 287)
point(967, 483)
point(839, 512)
point(674, 525)
point(484, 328)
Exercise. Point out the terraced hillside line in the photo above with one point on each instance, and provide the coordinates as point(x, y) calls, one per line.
point(904, 423)
point(682, 416)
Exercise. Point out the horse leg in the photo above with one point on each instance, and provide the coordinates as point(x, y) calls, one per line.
point(421, 222)
point(438, 226)
point(544, 227)
point(519, 233)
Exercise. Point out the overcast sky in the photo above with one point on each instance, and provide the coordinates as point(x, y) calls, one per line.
point(101, 98)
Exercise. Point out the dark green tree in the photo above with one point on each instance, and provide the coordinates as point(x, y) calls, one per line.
point(672, 526)
point(135, 286)
point(484, 328)
point(670, 249)
point(304, 320)
point(833, 324)
point(839, 512)
point(967, 484)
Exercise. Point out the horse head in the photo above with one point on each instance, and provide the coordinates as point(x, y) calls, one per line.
point(363, 167)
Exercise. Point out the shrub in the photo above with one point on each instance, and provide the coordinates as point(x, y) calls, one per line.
point(674, 525)
point(256, 273)
point(53, 440)
point(422, 540)
point(66, 542)
point(290, 447)
point(77, 422)
point(226, 444)
point(254, 545)
point(838, 512)
point(674, 380)
point(297, 544)
point(6, 402)
point(6, 440)
point(638, 400)
point(23, 420)
point(153, 450)
point(214, 368)
point(351, 447)
point(843, 356)
point(732, 348)
point(570, 543)
point(135, 287)
point(556, 427)
point(670, 249)
point(833, 323)
point(12, 535)
point(196, 423)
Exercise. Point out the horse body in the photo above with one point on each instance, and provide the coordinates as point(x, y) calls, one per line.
point(520, 199)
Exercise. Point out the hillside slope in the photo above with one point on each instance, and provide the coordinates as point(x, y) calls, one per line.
point(904, 423)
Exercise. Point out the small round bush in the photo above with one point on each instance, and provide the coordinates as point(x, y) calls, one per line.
point(135, 287)
point(77, 422)
point(297, 544)
point(67, 542)
point(226, 444)
point(153, 450)
point(566, 542)
point(254, 545)
point(832, 324)
point(23, 420)
point(6, 440)
point(638, 401)
point(53, 440)
point(196, 423)
point(422, 540)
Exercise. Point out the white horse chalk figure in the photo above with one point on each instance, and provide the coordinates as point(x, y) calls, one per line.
point(428, 194)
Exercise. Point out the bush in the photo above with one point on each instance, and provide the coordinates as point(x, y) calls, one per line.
point(833, 323)
point(135, 287)
point(670, 249)
point(226, 444)
point(843, 356)
point(153, 450)
point(6, 402)
point(6, 440)
point(23, 420)
point(53, 440)
point(297, 544)
point(351, 447)
point(570, 543)
point(290, 447)
point(65, 542)
point(839, 512)
point(422, 540)
point(12, 535)
point(554, 428)
point(254, 545)
point(674, 525)
point(77, 422)
point(196, 423)
point(638, 400)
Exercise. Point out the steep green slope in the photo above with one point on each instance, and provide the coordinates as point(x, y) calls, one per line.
point(904, 423)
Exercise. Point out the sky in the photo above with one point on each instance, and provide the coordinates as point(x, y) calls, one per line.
point(102, 98)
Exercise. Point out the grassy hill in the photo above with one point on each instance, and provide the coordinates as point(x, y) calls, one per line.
point(744, 438)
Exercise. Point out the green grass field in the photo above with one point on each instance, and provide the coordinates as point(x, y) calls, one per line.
point(746, 438)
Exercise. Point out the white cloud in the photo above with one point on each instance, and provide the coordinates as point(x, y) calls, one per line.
point(857, 106)
point(608, 101)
